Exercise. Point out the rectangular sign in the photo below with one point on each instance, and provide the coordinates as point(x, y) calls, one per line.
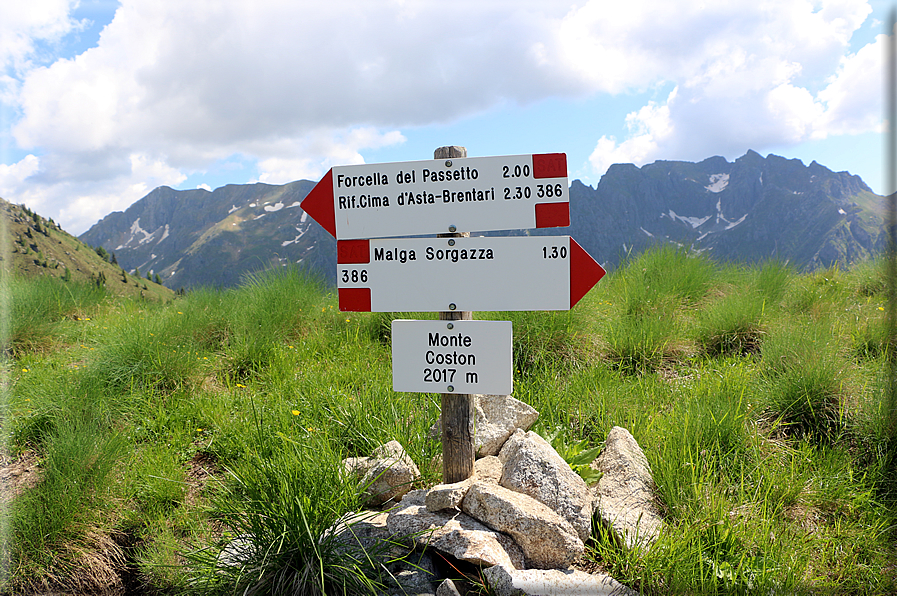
point(452, 356)
point(442, 195)
point(447, 274)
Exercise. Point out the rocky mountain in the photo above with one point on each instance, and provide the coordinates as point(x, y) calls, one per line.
point(195, 238)
point(749, 210)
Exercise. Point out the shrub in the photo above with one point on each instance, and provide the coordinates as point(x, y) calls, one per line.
point(732, 325)
point(282, 506)
point(802, 381)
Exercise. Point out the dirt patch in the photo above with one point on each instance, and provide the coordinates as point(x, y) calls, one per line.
point(201, 469)
point(17, 474)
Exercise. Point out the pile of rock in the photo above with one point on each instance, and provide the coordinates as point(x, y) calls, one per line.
point(524, 515)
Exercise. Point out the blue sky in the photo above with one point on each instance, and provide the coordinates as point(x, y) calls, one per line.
point(101, 101)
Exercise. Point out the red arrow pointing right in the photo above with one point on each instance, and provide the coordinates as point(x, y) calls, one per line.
point(319, 203)
point(584, 272)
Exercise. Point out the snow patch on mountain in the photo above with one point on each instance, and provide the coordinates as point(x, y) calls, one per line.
point(135, 231)
point(694, 222)
point(296, 239)
point(732, 224)
point(718, 182)
point(232, 209)
point(274, 207)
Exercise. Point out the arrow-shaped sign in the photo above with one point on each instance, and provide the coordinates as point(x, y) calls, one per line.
point(442, 195)
point(445, 274)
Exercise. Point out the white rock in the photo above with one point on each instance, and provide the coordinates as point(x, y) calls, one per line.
point(626, 501)
point(552, 582)
point(496, 417)
point(534, 468)
point(548, 541)
point(452, 532)
point(447, 496)
point(387, 474)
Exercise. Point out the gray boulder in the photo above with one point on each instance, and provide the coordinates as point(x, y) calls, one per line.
point(452, 532)
point(626, 502)
point(387, 474)
point(551, 582)
point(548, 541)
point(534, 468)
point(496, 417)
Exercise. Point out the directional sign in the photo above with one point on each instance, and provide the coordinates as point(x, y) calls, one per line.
point(445, 274)
point(452, 356)
point(442, 195)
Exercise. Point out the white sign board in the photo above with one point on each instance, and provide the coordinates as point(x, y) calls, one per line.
point(452, 356)
point(446, 274)
point(442, 195)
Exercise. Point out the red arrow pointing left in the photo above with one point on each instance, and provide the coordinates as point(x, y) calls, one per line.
point(319, 203)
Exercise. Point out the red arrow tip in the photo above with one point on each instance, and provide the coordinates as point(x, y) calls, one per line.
point(319, 203)
point(584, 272)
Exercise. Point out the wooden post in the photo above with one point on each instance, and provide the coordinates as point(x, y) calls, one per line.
point(457, 409)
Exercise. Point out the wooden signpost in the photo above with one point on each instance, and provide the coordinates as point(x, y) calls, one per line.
point(458, 451)
point(367, 207)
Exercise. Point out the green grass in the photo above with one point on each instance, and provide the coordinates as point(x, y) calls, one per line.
point(165, 431)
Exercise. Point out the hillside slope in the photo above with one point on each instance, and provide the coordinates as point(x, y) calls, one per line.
point(33, 246)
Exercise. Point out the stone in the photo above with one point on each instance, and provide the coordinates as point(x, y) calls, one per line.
point(531, 466)
point(237, 552)
point(625, 492)
point(448, 496)
point(488, 469)
point(453, 533)
point(413, 576)
point(548, 541)
point(367, 533)
point(386, 475)
point(551, 582)
point(448, 588)
point(496, 417)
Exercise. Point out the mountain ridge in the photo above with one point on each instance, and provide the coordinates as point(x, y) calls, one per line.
point(748, 210)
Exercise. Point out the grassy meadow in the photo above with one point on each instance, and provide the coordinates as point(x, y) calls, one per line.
point(160, 432)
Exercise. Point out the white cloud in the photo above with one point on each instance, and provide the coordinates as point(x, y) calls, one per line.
point(854, 93)
point(650, 127)
point(775, 75)
point(290, 162)
point(24, 24)
point(12, 177)
point(296, 87)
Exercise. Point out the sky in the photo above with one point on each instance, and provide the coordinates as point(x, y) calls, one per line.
point(101, 101)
